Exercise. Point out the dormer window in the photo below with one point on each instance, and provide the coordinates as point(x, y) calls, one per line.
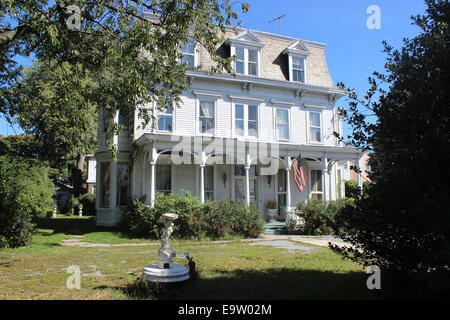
point(240, 61)
point(188, 52)
point(246, 48)
point(298, 54)
point(298, 69)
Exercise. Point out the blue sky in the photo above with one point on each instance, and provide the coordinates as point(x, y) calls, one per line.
point(353, 51)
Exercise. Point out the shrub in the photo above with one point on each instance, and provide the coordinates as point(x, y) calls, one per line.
point(351, 189)
point(72, 206)
point(25, 193)
point(320, 217)
point(88, 202)
point(195, 221)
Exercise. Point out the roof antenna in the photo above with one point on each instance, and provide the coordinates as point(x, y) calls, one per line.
point(279, 21)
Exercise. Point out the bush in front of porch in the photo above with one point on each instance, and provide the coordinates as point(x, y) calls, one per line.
point(196, 220)
point(322, 217)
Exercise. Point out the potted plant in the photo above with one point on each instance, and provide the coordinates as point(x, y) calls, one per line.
point(272, 209)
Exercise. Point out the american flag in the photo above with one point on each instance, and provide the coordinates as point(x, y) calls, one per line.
point(299, 173)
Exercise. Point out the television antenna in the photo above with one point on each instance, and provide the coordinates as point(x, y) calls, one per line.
point(278, 19)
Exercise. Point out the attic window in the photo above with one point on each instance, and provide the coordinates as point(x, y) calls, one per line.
point(246, 47)
point(188, 52)
point(298, 69)
point(298, 54)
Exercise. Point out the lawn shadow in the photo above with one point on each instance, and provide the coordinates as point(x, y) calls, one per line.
point(75, 226)
point(272, 284)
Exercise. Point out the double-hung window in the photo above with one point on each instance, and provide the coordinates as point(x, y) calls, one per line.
point(123, 185)
point(316, 185)
point(282, 124)
point(165, 120)
point(188, 52)
point(240, 60)
point(164, 178)
point(298, 69)
point(105, 188)
point(252, 64)
point(247, 61)
point(315, 128)
point(209, 183)
point(207, 117)
point(246, 120)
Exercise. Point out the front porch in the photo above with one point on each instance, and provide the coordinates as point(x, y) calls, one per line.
point(245, 171)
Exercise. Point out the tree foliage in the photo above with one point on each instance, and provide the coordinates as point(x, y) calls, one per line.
point(25, 193)
point(402, 223)
point(133, 58)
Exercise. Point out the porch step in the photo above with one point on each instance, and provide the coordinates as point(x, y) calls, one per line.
point(275, 228)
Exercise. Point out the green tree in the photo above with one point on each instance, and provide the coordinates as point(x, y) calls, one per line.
point(402, 222)
point(25, 193)
point(134, 59)
point(53, 102)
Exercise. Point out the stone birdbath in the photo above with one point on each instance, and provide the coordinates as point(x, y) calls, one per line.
point(165, 270)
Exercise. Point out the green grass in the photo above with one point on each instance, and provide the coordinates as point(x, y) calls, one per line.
point(231, 270)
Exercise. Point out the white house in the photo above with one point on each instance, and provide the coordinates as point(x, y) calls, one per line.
point(235, 137)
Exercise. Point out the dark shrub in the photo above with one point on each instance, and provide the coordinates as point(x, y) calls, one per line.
point(25, 193)
point(320, 217)
point(88, 202)
point(351, 189)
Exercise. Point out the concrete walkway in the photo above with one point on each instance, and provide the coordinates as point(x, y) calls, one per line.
point(317, 241)
point(76, 241)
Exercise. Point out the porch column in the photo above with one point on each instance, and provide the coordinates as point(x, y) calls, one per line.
point(202, 158)
point(288, 184)
point(359, 166)
point(325, 178)
point(152, 184)
point(202, 183)
point(247, 179)
point(153, 160)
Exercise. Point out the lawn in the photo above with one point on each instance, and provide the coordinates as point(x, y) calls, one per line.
point(226, 270)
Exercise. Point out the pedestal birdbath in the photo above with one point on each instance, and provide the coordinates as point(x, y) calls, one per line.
point(166, 270)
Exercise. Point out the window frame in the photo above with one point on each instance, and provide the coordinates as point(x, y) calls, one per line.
point(297, 69)
point(194, 54)
point(101, 203)
point(158, 165)
point(159, 113)
point(321, 184)
point(246, 111)
point(210, 191)
point(213, 101)
point(291, 67)
point(118, 185)
point(288, 110)
point(309, 126)
point(246, 60)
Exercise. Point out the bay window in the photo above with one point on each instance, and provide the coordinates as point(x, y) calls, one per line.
point(105, 178)
point(122, 183)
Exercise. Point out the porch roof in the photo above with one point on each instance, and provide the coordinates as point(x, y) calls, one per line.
point(168, 141)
